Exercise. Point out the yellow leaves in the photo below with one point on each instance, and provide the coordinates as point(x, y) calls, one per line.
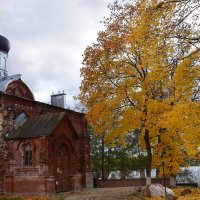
point(103, 112)
point(169, 151)
point(181, 137)
point(136, 77)
point(195, 194)
point(183, 117)
point(131, 119)
point(184, 80)
point(155, 110)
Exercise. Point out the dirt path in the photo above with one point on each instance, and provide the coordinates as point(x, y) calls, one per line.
point(124, 193)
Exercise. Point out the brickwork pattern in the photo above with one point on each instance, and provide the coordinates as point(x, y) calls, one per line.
point(130, 182)
point(6, 125)
point(41, 176)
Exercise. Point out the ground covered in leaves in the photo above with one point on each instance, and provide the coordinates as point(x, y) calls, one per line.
point(124, 193)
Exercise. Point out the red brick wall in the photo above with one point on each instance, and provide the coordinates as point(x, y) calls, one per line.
point(40, 177)
point(26, 179)
point(45, 181)
point(1, 184)
point(24, 185)
point(128, 182)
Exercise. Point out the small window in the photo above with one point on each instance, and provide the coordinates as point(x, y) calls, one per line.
point(28, 155)
point(20, 120)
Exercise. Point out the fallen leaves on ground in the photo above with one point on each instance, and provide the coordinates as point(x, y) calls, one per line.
point(123, 193)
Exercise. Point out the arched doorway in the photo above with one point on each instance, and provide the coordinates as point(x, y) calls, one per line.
point(62, 168)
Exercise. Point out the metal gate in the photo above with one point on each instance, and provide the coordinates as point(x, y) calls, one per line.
point(62, 169)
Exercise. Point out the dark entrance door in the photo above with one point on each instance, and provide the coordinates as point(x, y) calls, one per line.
point(62, 168)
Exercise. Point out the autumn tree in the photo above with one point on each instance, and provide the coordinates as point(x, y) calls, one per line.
point(143, 73)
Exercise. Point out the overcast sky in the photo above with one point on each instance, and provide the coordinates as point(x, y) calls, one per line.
point(48, 39)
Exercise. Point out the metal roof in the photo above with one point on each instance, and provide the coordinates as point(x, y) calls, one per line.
point(42, 125)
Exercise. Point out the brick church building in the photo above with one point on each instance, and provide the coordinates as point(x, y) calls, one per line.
point(43, 148)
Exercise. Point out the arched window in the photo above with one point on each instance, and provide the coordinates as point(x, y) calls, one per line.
point(28, 153)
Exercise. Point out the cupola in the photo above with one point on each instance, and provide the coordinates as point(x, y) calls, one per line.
point(4, 49)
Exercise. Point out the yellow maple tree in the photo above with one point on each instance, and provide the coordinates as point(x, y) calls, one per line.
point(143, 73)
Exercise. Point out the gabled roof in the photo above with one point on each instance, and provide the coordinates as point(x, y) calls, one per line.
point(42, 125)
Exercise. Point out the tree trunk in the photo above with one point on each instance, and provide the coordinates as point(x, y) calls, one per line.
point(142, 173)
point(149, 159)
point(104, 169)
point(157, 172)
point(122, 174)
point(105, 175)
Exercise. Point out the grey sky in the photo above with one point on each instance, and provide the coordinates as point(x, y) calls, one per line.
point(48, 39)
